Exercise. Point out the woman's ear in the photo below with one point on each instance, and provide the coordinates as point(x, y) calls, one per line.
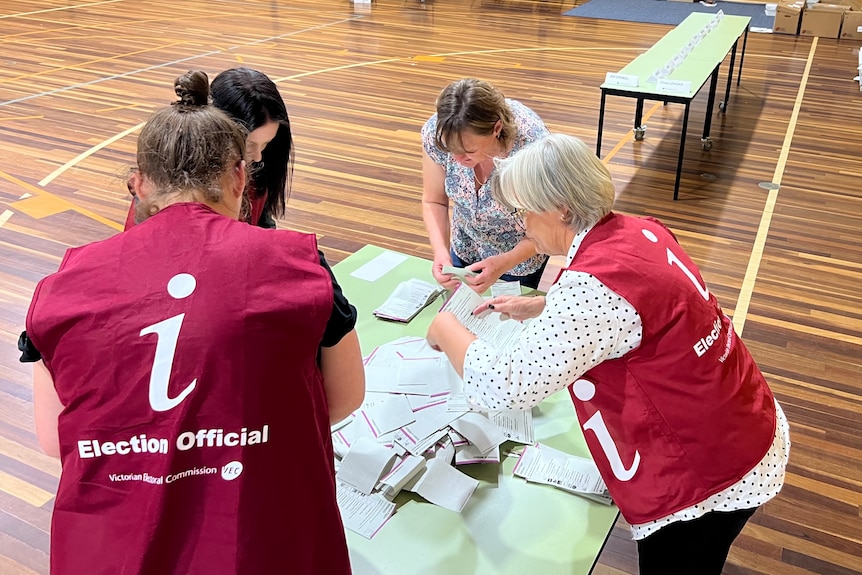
point(239, 179)
point(135, 183)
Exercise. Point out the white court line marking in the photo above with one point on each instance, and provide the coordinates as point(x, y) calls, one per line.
point(157, 66)
point(4, 217)
point(60, 8)
point(50, 177)
point(744, 300)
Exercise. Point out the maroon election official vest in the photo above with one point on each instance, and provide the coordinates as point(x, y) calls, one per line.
point(687, 413)
point(195, 437)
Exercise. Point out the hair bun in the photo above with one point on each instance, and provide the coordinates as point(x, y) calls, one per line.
point(192, 88)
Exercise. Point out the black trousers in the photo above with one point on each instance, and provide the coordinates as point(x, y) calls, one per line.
point(697, 547)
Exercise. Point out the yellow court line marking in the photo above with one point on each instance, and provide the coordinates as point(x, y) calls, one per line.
point(23, 490)
point(53, 175)
point(61, 201)
point(337, 68)
point(744, 300)
point(22, 118)
point(19, 14)
point(625, 139)
point(433, 58)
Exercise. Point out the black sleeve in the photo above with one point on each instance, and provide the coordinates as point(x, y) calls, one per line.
point(29, 353)
point(343, 318)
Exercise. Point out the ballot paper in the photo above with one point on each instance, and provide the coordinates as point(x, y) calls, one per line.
point(407, 467)
point(405, 427)
point(409, 298)
point(516, 424)
point(491, 327)
point(459, 273)
point(479, 431)
point(579, 475)
point(364, 464)
point(361, 513)
point(445, 486)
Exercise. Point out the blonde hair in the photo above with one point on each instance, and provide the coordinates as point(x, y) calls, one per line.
point(187, 147)
point(556, 172)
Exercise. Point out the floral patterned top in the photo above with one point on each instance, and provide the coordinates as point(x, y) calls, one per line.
point(481, 227)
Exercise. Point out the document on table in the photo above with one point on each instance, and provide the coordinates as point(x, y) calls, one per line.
point(491, 328)
point(516, 424)
point(362, 514)
point(445, 486)
point(408, 299)
point(579, 475)
point(379, 266)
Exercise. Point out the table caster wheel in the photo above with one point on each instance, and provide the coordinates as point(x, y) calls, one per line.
point(722, 106)
point(639, 133)
point(706, 143)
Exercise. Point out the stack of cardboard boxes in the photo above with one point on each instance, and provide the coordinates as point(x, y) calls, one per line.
point(827, 19)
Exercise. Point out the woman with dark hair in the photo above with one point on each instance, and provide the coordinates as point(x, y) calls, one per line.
point(187, 372)
point(252, 100)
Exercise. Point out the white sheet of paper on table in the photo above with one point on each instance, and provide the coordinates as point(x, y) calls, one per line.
point(516, 424)
point(388, 416)
point(430, 420)
point(406, 469)
point(479, 431)
point(468, 454)
point(543, 464)
point(443, 485)
point(362, 514)
point(505, 288)
point(379, 266)
point(365, 464)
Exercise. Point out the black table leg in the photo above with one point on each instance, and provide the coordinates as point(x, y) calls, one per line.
point(681, 150)
point(742, 56)
point(710, 104)
point(723, 105)
point(601, 124)
point(640, 129)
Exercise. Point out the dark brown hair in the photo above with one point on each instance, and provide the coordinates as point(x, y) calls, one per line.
point(475, 105)
point(187, 147)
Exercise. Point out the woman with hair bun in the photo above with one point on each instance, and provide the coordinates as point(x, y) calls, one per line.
point(252, 100)
point(187, 372)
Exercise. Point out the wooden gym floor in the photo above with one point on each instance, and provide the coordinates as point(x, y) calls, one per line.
point(77, 79)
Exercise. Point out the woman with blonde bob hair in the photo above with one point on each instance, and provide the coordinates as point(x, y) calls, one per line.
point(677, 416)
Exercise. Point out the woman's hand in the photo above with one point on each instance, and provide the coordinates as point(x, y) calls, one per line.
point(487, 272)
point(448, 281)
point(518, 308)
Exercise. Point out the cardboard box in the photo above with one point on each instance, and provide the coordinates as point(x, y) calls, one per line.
point(787, 18)
point(853, 4)
point(822, 20)
point(851, 28)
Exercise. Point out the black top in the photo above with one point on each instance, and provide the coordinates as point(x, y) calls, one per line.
point(341, 322)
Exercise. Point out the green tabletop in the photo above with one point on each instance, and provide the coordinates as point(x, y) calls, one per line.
point(697, 65)
point(508, 526)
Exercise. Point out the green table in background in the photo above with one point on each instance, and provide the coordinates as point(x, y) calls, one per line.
point(507, 526)
point(701, 63)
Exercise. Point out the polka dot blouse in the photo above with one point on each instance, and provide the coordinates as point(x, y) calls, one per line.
point(583, 324)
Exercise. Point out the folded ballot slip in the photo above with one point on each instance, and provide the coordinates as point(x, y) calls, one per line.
point(459, 273)
point(408, 299)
